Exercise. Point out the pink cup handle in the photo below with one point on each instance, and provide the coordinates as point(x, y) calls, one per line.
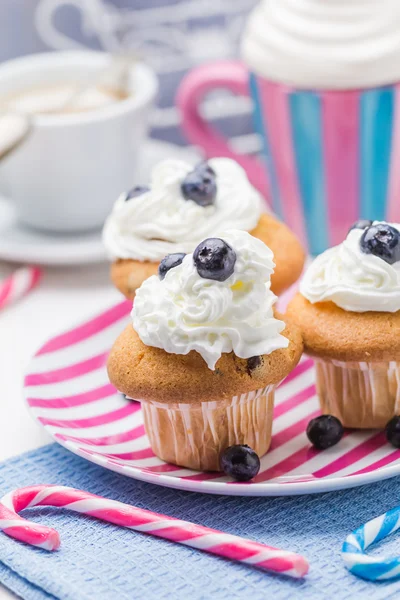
point(199, 82)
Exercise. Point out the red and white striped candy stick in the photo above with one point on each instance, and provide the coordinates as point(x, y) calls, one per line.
point(18, 284)
point(183, 532)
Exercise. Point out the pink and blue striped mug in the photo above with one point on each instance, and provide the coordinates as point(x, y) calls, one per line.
point(329, 157)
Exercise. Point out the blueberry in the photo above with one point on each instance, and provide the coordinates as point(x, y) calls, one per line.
point(169, 262)
point(361, 224)
point(324, 431)
point(392, 432)
point(136, 191)
point(214, 259)
point(381, 240)
point(204, 167)
point(240, 462)
point(200, 185)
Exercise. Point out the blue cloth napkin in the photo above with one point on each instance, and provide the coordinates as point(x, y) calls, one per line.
point(104, 562)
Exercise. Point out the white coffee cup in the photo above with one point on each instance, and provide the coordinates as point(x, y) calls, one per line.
point(70, 169)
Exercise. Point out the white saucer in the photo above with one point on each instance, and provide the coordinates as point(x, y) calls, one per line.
point(21, 244)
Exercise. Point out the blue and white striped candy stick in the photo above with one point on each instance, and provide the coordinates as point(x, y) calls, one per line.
point(354, 548)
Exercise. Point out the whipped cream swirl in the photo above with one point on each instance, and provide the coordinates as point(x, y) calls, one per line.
point(352, 279)
point(185, 312)
point(162, 222)
point(328, 44)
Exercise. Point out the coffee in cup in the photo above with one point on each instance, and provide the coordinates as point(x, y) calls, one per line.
point(84, 142)
point(62, 98)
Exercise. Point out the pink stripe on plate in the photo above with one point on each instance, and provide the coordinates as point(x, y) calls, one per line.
point(297, 479)
point(290, 432)
point(340, 117)
point(123, 467)
point(301, 368)
point(299, 398)
point(107, 440)
point(295, 460)
point(81, 368)
point(352, 456)
point(104, 391)
point(393, 207)
point(87, 330)
point(275, 99)
point(288, 464)
point(382, 462)
point(134, 455)
point(164, 468)
point(104, 419)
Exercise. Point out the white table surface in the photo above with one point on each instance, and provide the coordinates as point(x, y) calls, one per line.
point(64, 297)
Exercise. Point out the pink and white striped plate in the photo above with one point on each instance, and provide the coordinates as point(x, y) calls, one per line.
point(68, 393)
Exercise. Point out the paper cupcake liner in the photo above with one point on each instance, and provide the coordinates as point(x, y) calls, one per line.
point(362, 395)
point(194, 435)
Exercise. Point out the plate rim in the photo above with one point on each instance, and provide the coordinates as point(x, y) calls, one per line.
point(221, 488)
point(209, 487)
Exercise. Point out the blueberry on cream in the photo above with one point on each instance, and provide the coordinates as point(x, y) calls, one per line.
point(214, 259)
point(361, 274)
point(200, 185)
point(361, 224)
point(382, 240)
point(217, 300)
point(169, 262)
point(181, 207)
point(136, 191)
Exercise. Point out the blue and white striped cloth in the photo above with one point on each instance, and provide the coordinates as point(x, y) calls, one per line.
point(100, 561)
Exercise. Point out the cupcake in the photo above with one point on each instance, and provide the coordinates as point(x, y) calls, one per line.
point(348, 310)
point(183, 206)
point(205, 352)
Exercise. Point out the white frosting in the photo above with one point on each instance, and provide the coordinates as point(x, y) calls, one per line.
point(352, 279)
point(325, 43)
point(162, 222)
point(185, 312)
